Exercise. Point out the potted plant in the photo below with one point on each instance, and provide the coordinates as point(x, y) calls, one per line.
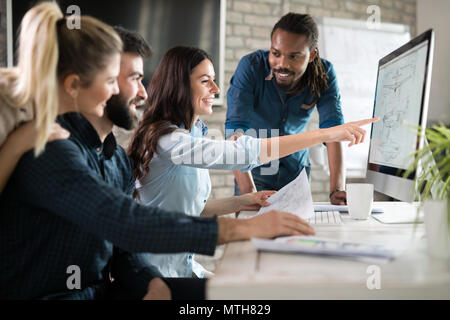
point(433, 183)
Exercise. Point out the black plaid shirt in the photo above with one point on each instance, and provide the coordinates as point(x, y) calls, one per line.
point(71, 206)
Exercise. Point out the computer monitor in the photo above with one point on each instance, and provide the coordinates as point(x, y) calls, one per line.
point(401, 102)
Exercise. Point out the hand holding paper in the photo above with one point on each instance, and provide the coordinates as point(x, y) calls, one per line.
point(294, 198)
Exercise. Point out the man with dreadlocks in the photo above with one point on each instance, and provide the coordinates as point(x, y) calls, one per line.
point(278, 89)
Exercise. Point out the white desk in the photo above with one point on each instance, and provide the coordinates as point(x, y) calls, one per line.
point(245, 273)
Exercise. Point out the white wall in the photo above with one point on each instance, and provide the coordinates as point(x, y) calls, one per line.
point(435, 14)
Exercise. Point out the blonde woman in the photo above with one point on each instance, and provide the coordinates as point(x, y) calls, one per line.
point(56, 66)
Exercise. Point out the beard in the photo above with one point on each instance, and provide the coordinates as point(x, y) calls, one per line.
point(119, 112)
point(287, 87)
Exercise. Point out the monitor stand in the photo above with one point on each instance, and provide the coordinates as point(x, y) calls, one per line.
point(400, 217)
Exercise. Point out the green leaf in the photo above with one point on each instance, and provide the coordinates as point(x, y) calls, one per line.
point(435, 161)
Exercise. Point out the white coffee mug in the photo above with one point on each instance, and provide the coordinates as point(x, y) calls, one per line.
point(359, 200)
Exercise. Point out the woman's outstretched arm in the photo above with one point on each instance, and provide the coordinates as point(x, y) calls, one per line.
point(279, 147)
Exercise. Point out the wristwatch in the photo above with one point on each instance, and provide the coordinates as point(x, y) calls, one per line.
point(332, 192)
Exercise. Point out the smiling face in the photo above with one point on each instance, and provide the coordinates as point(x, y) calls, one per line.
point(289, 57)
point(203, 88)
point(92, 99)
point(121, 109)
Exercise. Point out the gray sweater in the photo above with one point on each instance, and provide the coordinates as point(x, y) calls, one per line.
point(11, 117)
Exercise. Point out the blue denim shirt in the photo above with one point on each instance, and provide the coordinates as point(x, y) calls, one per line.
point(256, 102)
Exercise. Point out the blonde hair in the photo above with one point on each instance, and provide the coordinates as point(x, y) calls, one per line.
point(48, 52)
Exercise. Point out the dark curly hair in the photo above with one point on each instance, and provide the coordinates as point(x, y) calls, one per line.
point(315, 75)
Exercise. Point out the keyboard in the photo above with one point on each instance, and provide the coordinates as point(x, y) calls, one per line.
point(330, 218)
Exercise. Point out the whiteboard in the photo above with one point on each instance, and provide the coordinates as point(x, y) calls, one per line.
point(355, 50)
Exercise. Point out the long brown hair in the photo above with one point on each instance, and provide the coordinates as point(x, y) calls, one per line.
point(315, 75)
point(169, 104)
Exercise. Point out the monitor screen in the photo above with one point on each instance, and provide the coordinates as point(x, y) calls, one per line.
point(398, 104)
point(401, 102)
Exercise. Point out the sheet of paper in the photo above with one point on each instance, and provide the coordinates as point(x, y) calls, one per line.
point(294, 198)
point(325, 246)
point(331, 207)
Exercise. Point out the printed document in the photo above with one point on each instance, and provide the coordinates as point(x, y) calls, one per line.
point(340, 208)
point(294, 198)
point(326, 246)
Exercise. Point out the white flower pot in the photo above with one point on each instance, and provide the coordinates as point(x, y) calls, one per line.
point(436, 228)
